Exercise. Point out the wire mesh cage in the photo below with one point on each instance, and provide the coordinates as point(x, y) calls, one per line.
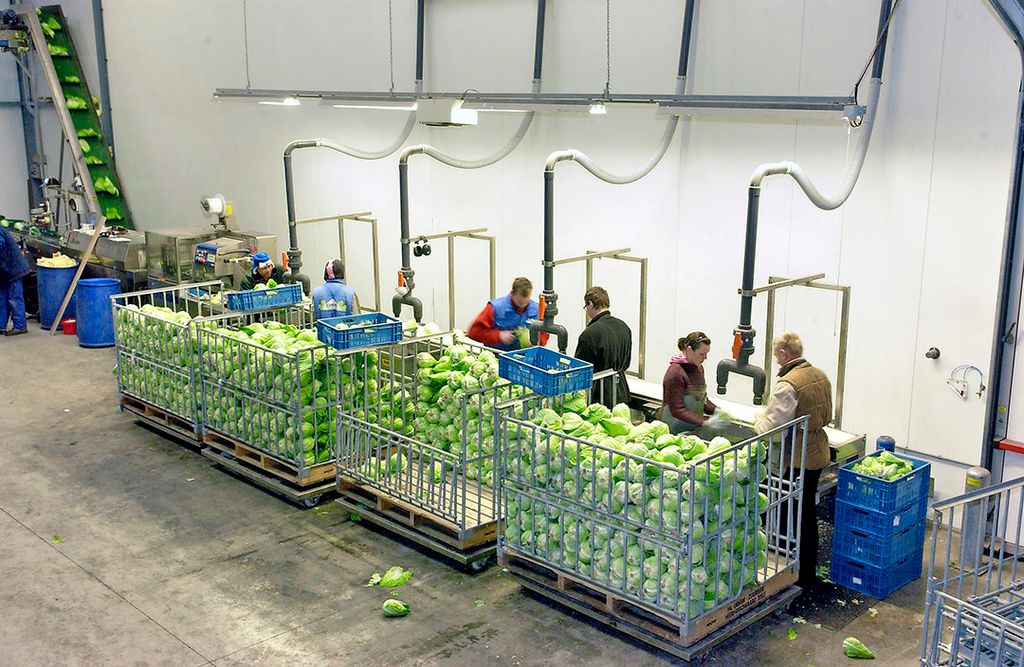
point(974, 607)
point(271, 385)
point(156, 346)
point(681, 537)
point(426, 435)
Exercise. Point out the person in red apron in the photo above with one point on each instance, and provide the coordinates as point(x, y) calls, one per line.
point(686, 407)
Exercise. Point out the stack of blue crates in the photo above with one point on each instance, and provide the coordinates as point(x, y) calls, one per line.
point(878, 541)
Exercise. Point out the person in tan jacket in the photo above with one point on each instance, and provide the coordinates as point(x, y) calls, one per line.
point(802, 390)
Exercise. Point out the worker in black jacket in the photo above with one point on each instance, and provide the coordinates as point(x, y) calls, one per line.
point(607, 343)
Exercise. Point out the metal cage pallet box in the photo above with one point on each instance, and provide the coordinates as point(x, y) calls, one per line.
point(546, 372)
point(882, 495)
point(623, 536)
point(367, 329)
point(416, 452)
point(270, 392)
point(974, 607)
point(262, 299)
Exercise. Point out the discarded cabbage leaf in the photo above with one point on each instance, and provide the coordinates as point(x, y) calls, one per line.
point(70, 78)
point(113, 213)
point(57, 50)
point(87, 132)
point(395, 576)
point(374, 579)
point(93, 160)
point(395, 608)
point(854, 648)
point(76, 102)
point(86, 148)
point(104, 184)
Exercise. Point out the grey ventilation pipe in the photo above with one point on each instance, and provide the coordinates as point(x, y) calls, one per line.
point(294, 253)
point(744, 332)
point(547, 324)
point(404, 294)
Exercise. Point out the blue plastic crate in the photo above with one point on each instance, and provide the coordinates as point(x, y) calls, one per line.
point(876, 581)
point(879, 494)
point(869, 548)
point(384, 330)
point(262, 299)
point(882, 525)
point(545, 371)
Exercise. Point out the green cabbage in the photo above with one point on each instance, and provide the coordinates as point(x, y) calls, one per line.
point(394, 608)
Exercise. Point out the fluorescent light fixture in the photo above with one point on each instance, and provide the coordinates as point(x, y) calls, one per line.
point(380, 107)
point(598, 109)
point(504, 110)
point(286, 102)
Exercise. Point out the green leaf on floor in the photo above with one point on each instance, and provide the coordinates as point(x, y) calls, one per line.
point(791, 634)
point(479, 603)
point(353, 517)
point(56, 539)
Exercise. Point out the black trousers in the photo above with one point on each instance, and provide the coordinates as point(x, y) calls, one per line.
point(808, 550)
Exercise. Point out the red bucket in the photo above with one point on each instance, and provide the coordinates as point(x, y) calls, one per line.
point(70, 326)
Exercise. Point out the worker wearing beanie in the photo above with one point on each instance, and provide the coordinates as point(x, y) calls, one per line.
point(263, 270)
point(13, 268)
point(334, 298)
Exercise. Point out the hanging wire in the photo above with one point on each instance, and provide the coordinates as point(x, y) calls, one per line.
point(608, 47)
point(874, 52)
point(245, 33)
point(391, 45)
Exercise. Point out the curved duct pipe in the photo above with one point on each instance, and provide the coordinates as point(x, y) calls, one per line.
point(294, 253)
point(547, 325)
point(404, 292)
point(743, 343)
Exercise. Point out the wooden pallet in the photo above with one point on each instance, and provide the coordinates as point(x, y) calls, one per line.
point(314, 475)
point(306, 496)
point(425, 522)
point(161, 419)
point(656, 627)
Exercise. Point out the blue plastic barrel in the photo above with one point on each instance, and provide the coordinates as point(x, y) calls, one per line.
point(52, 285)
point(95, 312)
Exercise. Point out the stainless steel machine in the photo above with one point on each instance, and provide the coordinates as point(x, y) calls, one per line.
point(191, 254)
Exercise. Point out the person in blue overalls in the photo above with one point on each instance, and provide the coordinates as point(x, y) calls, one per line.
point(502, 322)
point(263, 271)
point(334, 298)
point(13, 268)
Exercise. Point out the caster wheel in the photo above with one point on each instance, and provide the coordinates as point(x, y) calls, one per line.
point(311, 502)
point(479, 565)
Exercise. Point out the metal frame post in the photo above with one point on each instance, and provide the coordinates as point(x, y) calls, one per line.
point(776, 283)
point(450, 236)
point(365, 218)
point(620, 255)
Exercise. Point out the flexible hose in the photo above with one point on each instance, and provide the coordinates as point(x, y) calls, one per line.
point(853, 173)
point(458, 163)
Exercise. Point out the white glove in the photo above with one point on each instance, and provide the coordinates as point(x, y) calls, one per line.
point(715, 422)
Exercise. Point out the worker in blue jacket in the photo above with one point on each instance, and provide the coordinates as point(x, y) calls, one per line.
point(263, 271)
point(13, 268)
point(334, 298)
point(502, 320)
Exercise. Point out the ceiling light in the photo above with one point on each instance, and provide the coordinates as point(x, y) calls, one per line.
point(286, 102)
point(598, 109)
point(382, 107)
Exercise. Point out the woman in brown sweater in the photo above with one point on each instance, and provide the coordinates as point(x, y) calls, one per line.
point(686, 406)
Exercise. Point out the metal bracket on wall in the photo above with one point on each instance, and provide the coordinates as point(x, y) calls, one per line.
point(364, 218)
point(620, 255)
point(776, 283)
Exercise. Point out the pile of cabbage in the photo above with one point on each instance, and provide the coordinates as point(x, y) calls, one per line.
point(671, 520)
point(276, 387)
point(163, 349)
point(883, 465)
point(447, 385)
point(413, 329)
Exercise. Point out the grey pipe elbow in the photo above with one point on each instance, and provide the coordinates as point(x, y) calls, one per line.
point(561, 333)
point(755, 373)
point(399, 300)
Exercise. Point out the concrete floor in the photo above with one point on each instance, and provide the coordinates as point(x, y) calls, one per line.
point(118, 546)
